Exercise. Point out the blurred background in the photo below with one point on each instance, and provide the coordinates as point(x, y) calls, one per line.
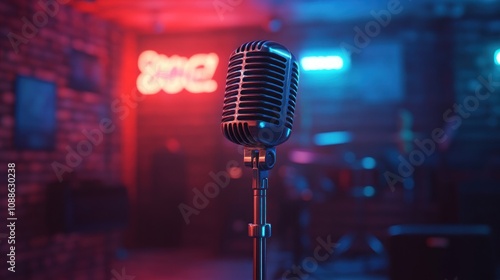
point(110, 120)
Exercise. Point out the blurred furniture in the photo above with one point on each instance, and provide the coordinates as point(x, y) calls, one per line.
point(363, 180)
point(438, 252)
point(478, 203)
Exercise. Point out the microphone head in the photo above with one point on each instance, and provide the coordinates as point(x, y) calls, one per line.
point(261, 92)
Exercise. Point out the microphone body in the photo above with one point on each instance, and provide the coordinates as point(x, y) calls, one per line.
point(259, 106)
point(260, 95)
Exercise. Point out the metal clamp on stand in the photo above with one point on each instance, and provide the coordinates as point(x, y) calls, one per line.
point(260, 160)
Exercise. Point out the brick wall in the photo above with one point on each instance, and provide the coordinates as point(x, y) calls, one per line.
point(45, 54)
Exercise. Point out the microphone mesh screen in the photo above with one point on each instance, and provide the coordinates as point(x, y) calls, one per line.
point(258, 88)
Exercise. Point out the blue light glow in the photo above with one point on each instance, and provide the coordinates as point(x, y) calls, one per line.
point(368, 163)
point(332, 138)
point(280, 52)
point(331, 62)
point(368, 191)
point(275, 25)
point(497, 57)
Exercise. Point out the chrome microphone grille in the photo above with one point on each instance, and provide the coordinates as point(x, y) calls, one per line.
point(261, 90)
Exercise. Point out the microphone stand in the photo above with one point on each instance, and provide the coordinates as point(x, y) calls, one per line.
point(260, 160)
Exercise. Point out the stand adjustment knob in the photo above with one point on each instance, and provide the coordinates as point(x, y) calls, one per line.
point(262, 231)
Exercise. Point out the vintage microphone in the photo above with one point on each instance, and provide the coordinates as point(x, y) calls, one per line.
point(259, 106)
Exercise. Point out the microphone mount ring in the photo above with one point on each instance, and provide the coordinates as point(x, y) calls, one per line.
point(261, 160)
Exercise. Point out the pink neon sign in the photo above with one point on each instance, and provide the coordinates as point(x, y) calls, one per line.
point(175, 73)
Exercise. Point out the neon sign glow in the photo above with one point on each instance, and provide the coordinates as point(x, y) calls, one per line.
point(175, 73)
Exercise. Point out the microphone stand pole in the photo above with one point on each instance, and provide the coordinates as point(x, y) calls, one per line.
point(260, 160)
